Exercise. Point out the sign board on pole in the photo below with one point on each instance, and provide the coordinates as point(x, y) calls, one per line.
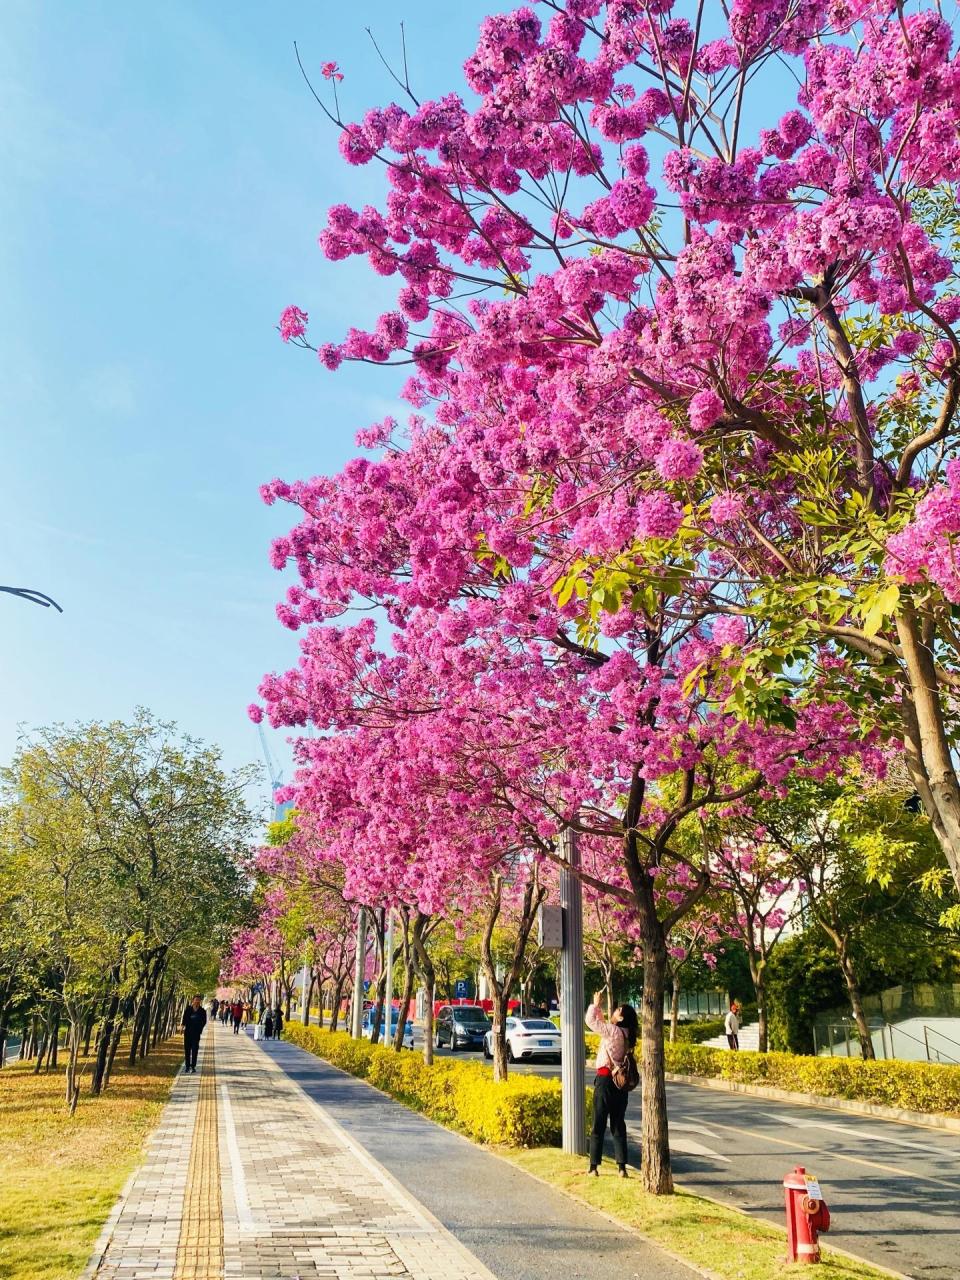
point(550, 928)
point(461, 989)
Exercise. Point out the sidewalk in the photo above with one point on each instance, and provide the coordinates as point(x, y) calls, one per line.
point(250, 1175)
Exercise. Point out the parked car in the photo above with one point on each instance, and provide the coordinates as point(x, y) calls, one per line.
point(528, 1038)
point(366, 1027)
point(461, 1026)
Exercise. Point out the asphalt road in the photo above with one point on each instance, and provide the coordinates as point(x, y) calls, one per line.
point(893, 1189)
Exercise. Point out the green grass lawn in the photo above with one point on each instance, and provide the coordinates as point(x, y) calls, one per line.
point(60, 1177)
point(725, 1242)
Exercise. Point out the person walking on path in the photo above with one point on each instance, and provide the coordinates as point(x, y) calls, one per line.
point(277, 1023)
point(247, 1011)
point(618, 1037)
point(194, 1020)
point(267, 1021)
point(236, 1013)
point(731, 1025)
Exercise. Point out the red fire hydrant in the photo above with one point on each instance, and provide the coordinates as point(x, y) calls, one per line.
point(807, 1216)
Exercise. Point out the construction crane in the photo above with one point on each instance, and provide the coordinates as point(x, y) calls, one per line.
point(276, 777)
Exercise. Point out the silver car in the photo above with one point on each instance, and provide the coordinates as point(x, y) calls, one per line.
point(528, 1038)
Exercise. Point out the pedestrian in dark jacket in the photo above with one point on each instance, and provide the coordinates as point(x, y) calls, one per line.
point(194, 1020)
point(236, 1013)
point(268, 1025)
point(277, 1023)
point(618, 1037)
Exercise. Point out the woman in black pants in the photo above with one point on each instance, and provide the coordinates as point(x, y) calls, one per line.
point(618, 1037)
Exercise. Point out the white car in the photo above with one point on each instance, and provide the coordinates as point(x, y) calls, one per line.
point(528, 1038)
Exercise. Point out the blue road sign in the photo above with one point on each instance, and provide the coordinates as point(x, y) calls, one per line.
point(462, 989)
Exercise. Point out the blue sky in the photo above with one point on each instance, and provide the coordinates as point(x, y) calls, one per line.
point(165, 174)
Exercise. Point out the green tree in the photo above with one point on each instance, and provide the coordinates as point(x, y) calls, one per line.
point(871, 873)
point(123, 847)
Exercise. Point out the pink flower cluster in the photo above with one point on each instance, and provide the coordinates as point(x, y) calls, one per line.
point(621, 328)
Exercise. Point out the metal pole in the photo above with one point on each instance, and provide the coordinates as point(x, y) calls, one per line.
point(304, 981)
point(572, 1002)
point(388, 993)
point(358, 970)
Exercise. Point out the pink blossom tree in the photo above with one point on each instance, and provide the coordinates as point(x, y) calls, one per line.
point(664, 528)
point(711, 347)
point(763, 899)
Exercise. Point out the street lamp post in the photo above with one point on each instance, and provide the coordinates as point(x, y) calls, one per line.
point(571, 1001)
point(305, 994)
point(358, 971)
point(388, 994)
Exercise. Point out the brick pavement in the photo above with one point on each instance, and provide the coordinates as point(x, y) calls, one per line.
point(200, 1243)
point(140, 1237)
point(247, 1177)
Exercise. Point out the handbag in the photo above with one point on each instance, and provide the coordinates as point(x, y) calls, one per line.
point(626, 1074)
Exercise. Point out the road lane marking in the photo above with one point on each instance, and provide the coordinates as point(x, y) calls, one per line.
point(838, 1155)
point(690, 1147)
point(850, 1131)
point(687, 1127)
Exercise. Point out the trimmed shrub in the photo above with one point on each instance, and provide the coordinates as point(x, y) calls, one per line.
point(912, 1086)
point(524, 1111)
point(697, 1032)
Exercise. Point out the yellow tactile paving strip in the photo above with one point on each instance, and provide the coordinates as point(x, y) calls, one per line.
point(200, 1246)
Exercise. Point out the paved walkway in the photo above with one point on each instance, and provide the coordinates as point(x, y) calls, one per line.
point(250, 1175)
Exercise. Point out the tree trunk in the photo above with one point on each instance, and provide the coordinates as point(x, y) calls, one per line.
point(159, 1014)
point(428, 976)
point(758, 977)
point(376, 1022)
point(853, 986)
point(497, 988)
point(41, 1050)
point(655, 1170)
point(308, 996)
point(53, 1053)
point(674, 1006)
point(337, 1001)
point(926, 745)
point(606, 962)
point(405, 997)
point(103, 1043)
point(112, 1051)
point(72, 1083)
point(141, 1005)
point(88, 1033)
point(135, 1032)
point(760, 985)
point(499, 1038)
point(856, 1006)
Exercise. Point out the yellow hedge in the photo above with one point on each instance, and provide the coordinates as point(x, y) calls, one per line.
point(913, 1086)
point(525, 1111)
